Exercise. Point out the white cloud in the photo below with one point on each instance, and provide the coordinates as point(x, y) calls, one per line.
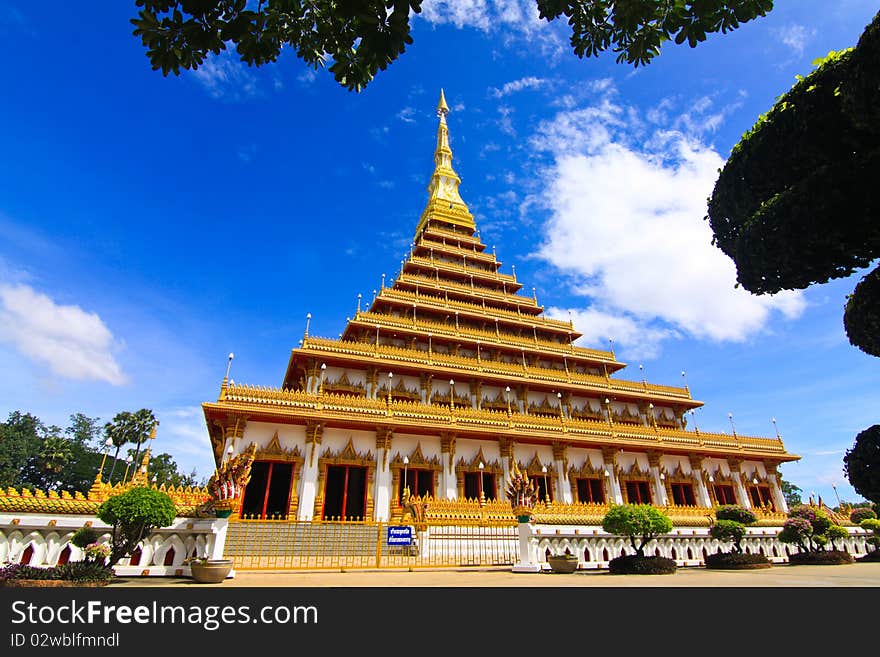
point(626, 227)
point(407, 115)
point(183, 434)
point(461, 13)
point(75, 344)
point(512, 19)
point(227, 78)
point(514, 86)
point(795, 37)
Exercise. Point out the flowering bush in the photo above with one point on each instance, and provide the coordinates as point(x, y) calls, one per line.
point(97, 551)
point(796, 530)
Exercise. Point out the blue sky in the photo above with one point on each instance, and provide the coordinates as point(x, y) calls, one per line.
point(150, 225)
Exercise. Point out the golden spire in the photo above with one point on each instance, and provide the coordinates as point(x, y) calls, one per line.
point(444, 202)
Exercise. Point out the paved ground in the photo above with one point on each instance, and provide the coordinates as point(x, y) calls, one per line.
point(851, 575)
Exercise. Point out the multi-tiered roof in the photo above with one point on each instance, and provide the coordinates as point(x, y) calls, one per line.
point(459, 324)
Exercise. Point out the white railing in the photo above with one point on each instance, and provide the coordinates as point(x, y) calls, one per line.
point(687, 546)
point(46, 539)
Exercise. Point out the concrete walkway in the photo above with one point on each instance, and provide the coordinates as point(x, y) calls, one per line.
point(784, 575)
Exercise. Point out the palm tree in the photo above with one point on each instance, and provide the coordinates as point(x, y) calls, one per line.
point(126, 428)
point(54, 454)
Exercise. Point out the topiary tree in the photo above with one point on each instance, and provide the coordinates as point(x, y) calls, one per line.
point(731, 524)
point(810, 529)
point(796, 203)
point(862, 464)
point(641, 521)
point(862, 513)
point(133, 515)
point(834, 533)
point(84, 536)
point(796, 531)
point(872, 525)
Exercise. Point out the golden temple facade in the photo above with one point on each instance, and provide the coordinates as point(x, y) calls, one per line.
point(448, 379)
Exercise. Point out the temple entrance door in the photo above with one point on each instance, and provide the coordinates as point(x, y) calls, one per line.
point(267, 495)
point(345, 492)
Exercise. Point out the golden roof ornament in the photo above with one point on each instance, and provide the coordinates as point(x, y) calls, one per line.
point(444, 201)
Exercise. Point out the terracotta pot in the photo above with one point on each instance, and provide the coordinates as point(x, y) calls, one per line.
point(212, 571)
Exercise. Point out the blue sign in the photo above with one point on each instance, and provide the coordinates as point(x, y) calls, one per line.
point(400, 535)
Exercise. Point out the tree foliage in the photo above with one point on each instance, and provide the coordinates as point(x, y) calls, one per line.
point(797, 201)
point(810, 529)
point(35, 456)
point(133, 515)
point(641, 521)
point(362, 37)
point(861, 464)
point(791, 492)
point(127, 427)
point(731, 524)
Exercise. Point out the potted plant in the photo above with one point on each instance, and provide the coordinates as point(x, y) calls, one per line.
point(209, 571)
point(644, 522)
point(563, 563)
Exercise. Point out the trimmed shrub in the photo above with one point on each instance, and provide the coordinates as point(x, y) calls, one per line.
point(821, 558)
point(133, 515)
point(737, 561)
point(729, 530)
point(736, 513)
point(85, 536)
point(636, 520)
point(862, 513)
point(634, 564)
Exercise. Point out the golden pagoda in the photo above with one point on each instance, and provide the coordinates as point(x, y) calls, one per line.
point(450, 381)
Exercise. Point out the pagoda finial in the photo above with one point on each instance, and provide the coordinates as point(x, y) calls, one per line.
point(442, 107)
point(445, 205)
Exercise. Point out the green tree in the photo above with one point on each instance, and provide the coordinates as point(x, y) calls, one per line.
point(861, 464)
point(19, 445)
point(797, 201)
point(127, 427)
point(133, 515)
point(362, 37)
point(54, 454)
point(791, 493)
point(731, 525)
point(641, 521)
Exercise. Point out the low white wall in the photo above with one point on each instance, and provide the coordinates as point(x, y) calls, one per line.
point(48, 536)
point(594, 547)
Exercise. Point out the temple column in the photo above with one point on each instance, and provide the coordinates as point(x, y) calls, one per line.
point(383, 493)
point(233, 429)
point(476, 393)
point(659, 487)
point(699, 482)
point(522, 398)
point(775, 489)
point(372, 378)
point(560, 460)
point(448, 483)
point(505, 446)
point(610, 465)
point(742, 494)
point(308, 483)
